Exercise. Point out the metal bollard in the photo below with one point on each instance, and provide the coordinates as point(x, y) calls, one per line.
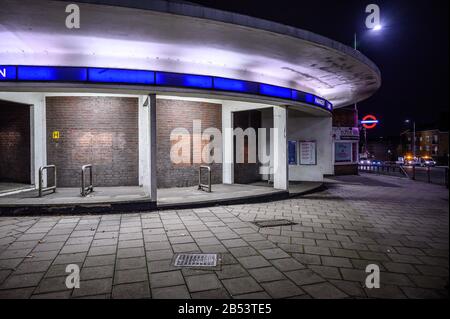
point(446, 177)
point(43, 189)
point(204, 186)
point(85, 190)
point(414, 173)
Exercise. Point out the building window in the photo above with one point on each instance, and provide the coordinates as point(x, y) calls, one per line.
point(428, 138)
point(435, 150)
point(435, 139)
point(427, 148)
point(421, 139)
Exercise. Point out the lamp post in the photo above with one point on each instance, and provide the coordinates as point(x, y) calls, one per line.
point(414, 138)
point(355, 47)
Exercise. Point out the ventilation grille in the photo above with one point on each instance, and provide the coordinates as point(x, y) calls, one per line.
point(273, 223)
point(196, 260)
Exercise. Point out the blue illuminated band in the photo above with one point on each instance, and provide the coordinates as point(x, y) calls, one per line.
point(225, 84)
point(276, 91)
point(102, 75)
point(370, 122)
point(184, 80)
point(43, 73)
point(148, 77)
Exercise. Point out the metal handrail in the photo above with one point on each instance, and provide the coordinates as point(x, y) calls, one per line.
point(41, 182)
point(85, 190)
point(203, 186)
point(404, 172)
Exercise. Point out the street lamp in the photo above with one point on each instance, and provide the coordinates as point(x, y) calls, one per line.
point(378, 27)
point(414, 137)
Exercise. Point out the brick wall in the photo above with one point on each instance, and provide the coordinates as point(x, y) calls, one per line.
point(102, 131)
point(171, 114)
point(14, 142)
point(345, 117)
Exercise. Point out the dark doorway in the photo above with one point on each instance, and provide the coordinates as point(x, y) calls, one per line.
point(15, 152)
point(245, 173)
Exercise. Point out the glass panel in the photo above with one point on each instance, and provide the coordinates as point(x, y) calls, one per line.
point(292, 150)
point(343, 152)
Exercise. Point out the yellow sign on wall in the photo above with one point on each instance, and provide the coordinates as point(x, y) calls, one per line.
point(55, 135)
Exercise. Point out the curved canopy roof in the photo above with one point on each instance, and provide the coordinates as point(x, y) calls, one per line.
point(179, 37)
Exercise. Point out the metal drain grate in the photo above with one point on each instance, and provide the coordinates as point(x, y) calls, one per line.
point(196, 260)
point(274, 223)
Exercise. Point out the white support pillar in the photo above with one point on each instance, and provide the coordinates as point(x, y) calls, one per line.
point(152, 129)
point(280, 178)
point(228, 147)
point(38, 139)
point(144, 143)
point(147, 145)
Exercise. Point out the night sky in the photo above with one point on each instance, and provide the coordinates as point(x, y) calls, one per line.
point(411, 50)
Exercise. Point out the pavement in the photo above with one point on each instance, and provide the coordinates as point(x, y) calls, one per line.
point(132, 198)
point(397, 224)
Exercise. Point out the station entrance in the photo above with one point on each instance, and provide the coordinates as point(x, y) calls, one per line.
point(15, 149)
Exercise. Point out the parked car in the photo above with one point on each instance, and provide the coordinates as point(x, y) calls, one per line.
point(377, 162)
point(427, 162)
point(412, 162)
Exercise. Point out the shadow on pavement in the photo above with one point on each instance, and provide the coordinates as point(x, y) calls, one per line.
point(357, 180)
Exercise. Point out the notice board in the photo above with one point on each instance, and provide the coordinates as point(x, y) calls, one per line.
point(308, 153)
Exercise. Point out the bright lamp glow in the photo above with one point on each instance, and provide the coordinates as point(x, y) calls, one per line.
point(378, 27)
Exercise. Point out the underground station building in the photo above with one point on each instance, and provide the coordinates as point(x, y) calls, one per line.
point(128, 108)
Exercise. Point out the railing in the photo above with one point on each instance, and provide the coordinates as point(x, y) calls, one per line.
point(41, 180)
point(432, 175)
point(382, 169)
point(270, 175)
point(85, 190)
point(204, 186)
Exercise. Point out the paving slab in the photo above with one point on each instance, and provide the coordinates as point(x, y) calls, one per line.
point(356, 221)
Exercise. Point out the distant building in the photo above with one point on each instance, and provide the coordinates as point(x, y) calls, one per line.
point(429, 143)
point(384, 148)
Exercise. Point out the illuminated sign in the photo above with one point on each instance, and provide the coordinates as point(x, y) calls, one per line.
point(319, 101)
point(7, 73)
point(148, 77)
point(369, 122)
point(55, 135)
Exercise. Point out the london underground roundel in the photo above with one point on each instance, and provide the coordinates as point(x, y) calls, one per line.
point(369, 122)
